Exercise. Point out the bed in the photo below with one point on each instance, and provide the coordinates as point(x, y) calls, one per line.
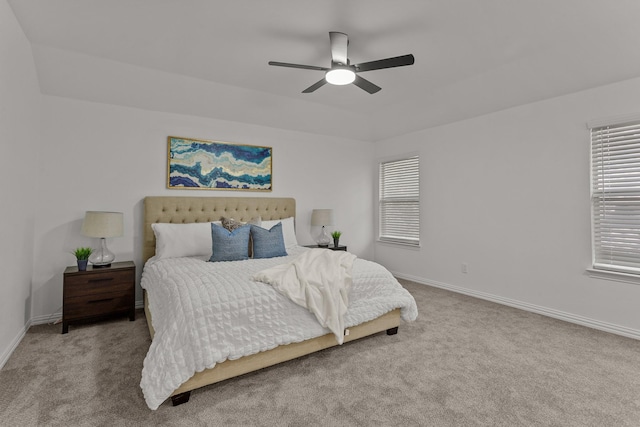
point(205, 210)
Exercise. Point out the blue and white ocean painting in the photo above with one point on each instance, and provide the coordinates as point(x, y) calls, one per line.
point(217, 165)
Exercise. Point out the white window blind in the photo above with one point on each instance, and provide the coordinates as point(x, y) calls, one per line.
point(615, 197)
point(400, 201)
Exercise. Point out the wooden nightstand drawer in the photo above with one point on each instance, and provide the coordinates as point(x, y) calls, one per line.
point(97, 305)
point(107, 281)
point(98, 292)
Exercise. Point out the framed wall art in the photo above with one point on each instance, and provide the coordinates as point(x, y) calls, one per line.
point(215, 165)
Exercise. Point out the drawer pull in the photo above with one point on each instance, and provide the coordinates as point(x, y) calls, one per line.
point(105, 279)
point(100, 300)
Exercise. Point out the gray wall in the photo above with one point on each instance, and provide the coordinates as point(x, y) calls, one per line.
point(508, 194)
point(20, 124)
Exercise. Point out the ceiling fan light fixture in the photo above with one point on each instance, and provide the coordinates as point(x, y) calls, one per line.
point(340, 76)
point(342, 72)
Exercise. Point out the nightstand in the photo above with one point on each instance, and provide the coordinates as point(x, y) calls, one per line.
point(98, 293)
point(333, 248)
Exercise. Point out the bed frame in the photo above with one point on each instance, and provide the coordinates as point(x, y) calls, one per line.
point(207, 209)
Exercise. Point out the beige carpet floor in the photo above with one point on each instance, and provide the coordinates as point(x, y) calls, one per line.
point(464, 362)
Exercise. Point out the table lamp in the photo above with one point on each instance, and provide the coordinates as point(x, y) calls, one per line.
point(322, 218)
point(102, 225)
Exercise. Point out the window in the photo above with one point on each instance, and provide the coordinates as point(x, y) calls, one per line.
point(399, 208)
point(615, 197)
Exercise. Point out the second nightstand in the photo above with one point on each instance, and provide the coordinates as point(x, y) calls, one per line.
point(98, 292)
point(333, 248)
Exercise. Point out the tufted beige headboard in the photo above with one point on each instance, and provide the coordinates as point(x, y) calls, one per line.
point(208, 209)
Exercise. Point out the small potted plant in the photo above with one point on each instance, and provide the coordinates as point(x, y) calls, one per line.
point(82, 256)
point(336, 237)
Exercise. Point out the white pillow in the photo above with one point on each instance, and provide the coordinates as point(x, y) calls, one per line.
point(288, 230)
point(180, 240)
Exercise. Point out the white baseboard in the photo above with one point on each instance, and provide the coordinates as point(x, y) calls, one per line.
point(14, 344)
point(46, 318)
point(545, 311)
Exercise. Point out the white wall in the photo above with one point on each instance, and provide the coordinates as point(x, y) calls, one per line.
point(508, 194)
point(105, 157)
point(19, 123)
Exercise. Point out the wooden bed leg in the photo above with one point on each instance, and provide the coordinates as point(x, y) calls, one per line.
point(181, 398)
point(392, 331)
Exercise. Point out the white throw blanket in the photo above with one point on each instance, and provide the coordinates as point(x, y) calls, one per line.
point(318, 280)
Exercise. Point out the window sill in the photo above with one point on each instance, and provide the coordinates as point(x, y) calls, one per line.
point(614, 275)
point(399, 244)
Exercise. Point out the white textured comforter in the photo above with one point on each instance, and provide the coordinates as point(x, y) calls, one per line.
point(205, 313)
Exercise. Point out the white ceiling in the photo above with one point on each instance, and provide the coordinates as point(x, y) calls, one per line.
point(209, 58)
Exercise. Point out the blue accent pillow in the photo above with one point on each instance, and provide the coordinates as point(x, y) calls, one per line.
point(230, 245)
point(268, 243)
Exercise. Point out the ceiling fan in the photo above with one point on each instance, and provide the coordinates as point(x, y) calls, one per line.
point(342, 72)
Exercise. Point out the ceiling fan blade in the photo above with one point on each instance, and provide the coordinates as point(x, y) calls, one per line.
point(339, 43)
point(315, 86)
point(304, 67)
point(366, 85)
point(398, 61)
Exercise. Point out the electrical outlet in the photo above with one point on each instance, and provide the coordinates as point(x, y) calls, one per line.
point(464, 268)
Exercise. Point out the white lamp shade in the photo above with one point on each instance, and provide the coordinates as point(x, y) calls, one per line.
point(321, 217)
point(103, 224)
